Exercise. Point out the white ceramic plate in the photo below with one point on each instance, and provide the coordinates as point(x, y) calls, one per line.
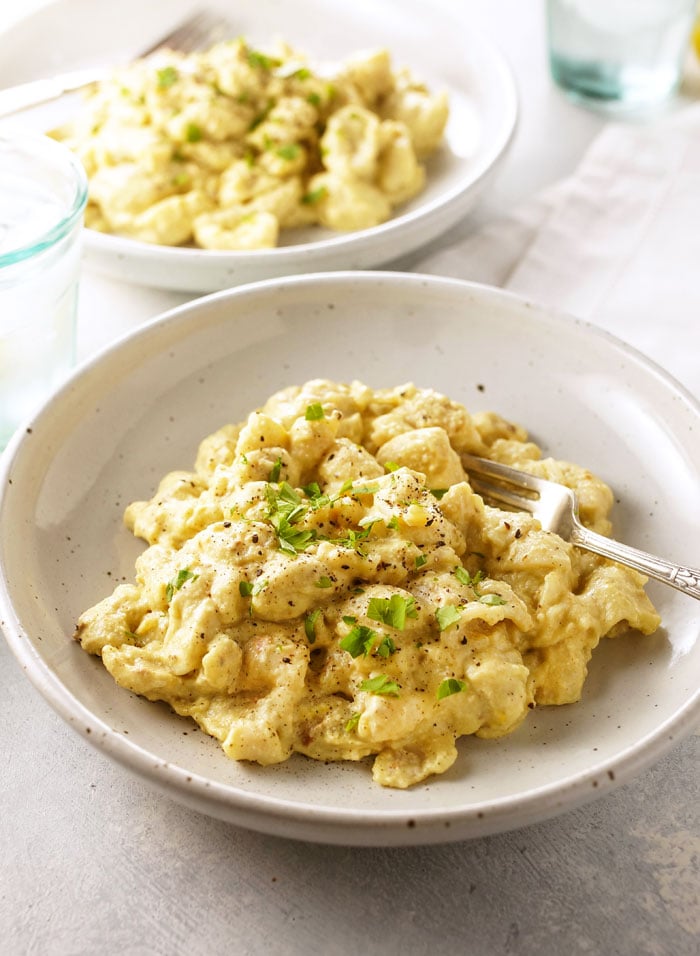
point(438, 46)
point(141, 407)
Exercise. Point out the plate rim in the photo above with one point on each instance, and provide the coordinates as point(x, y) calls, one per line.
point(332, 824)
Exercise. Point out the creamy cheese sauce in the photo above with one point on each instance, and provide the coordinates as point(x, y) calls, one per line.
point(326, 582)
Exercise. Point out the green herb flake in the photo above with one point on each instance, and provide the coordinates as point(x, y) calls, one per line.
point(471, 580)
point(391, 465)
point(352, 723)
point(462, 575)
point(392, 611)
point(439, 492)
point(393, 523)
point(245, 588)
point(492, 600)
point(310, 625)
point(386, 647)
point(166, 77)
point(193, 133)
point(286, 510)
point(314, 99)
point(314, 412)
point(364, 490)
point(274, 475)
point(324, 582)
point(381, 684)
point(289, 151)
point(261, 60)
point(449, 687)
point(314, 196)
point(354, 539)
point(447, 616)
point(421, 560)
point(183, 575)
point(359, 640)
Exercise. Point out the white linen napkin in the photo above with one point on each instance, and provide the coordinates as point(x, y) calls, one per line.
point(618, 243)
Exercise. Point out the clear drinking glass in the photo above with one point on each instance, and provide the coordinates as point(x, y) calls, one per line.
point(624, 53)
point(43, 191)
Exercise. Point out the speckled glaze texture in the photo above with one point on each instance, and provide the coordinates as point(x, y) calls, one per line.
point(140, 408)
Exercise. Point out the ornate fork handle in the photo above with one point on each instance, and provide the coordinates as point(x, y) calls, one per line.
point(685, 579)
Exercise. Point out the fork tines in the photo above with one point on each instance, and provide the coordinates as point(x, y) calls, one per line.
point(201, 30)
point(483, 475)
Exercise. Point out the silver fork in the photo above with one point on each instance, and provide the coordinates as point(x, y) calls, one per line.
point(556, 508)
point(196, 32)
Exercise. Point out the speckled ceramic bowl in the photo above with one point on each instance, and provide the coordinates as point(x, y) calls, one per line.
point(140, 408)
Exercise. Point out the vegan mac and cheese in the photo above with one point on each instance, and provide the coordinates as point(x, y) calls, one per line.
point(223, 149)
point(326, 582)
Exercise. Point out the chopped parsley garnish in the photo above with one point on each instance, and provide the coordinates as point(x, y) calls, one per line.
point(392, 611)
point(274, 475)
point(447, 616)
point(492, 599)
point(386, 647)
point(439, 492)
point(353, 539)
point(193, 133)
point(450, 686)
point(314, 412)
point(261, 60)
point(352, 723)
point(310, 624)
point(464, 577)
point(288, 151)
point(381, 684)
point(364, 490)
point(421, 559)
point(316, 497)
point(293, 541)
point(393, 523)
point(359, 640)
point(391, 465)
point(314, 99)
point(245, 588)
point(286, 509)
point(324, 582)
point(166, 77)
point(183, 575)
point(314, 196)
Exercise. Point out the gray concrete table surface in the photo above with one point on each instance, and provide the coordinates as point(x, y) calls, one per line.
point(93, 861)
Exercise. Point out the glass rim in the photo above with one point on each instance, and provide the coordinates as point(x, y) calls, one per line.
point(69, 219)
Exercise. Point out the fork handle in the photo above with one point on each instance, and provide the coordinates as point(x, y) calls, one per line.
point(684, 578)
point(14, 99)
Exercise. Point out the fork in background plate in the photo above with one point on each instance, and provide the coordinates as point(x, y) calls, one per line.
point(196, 32)
point(556, 508)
